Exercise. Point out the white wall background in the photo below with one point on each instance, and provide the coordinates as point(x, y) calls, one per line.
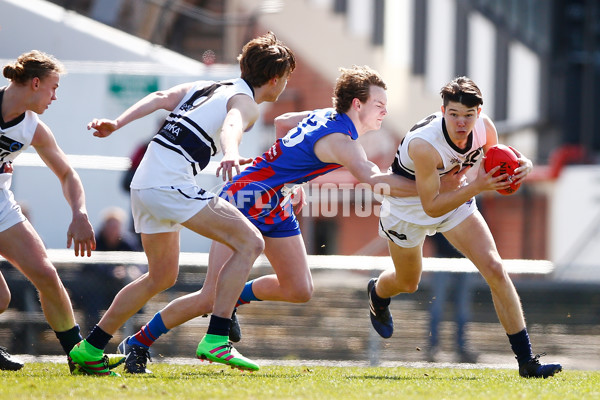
point(575, 224)
point(93, 54)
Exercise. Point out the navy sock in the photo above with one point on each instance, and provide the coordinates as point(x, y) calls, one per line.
point(218, 326)
point(378, 301)
point(521, 346)
point(69, 338)
point(98, 338)
point(247, 294)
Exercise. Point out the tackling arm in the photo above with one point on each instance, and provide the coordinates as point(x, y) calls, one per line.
point(341, 149)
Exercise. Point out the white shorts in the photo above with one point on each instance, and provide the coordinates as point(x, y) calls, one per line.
point(406, 234)
point(10, 211)
point(164, 209)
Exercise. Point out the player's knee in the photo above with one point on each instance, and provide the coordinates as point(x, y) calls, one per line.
point(159, 283)
point(494, 273)
point(167, 282)
point(45, 278)
point(302, 295)
point(258, 245)
point(253, 245)
point(411, 287)
point(407, 286)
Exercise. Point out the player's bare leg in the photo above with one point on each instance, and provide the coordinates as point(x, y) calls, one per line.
point(292, 281)
point(22, 246)
point(247, 244)
point(404, 278)
point(473, 238)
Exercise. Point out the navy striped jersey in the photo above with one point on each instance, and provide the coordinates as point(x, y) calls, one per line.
point(189, 136)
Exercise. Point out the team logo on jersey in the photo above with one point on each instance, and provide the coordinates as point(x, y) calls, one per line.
point(8, 146)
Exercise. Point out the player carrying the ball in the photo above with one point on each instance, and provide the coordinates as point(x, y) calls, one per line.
point(450, 142)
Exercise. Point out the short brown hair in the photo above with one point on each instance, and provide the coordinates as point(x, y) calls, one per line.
point(354, 83)
point(265, 58)
point(34, 64)
point(462, 90)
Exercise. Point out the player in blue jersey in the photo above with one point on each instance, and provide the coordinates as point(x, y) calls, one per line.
point(165, 196)
point(317, 142)
point(34, 79)
point(458, 136)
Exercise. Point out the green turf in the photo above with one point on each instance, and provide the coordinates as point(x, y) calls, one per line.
point(52, 381)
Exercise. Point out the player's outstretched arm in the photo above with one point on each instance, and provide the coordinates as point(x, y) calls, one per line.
point(159, 100)
point(340, 149)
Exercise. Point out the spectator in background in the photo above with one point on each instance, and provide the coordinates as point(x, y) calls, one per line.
point(446, 284)
point(111, 236)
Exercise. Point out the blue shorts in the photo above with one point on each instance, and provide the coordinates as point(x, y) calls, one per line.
point(282, 228)
point(286, 228)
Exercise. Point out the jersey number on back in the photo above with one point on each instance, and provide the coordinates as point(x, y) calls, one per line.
point(308, 125)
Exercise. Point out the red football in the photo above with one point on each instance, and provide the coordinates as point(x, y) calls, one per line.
point(508, 161)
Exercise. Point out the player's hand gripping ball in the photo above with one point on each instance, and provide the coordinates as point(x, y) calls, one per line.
point(508, 161)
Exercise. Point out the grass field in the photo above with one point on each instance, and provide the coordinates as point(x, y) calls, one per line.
point(170, 381)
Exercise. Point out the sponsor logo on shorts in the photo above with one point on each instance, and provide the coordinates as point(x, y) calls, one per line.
point(400, 236)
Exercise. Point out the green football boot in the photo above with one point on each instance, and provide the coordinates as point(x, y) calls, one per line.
point(215, 348)
point(112, 360)
point(92, 361)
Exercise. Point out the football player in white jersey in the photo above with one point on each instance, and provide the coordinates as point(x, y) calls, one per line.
point(165, 198)
point(33, 81)
point(453, 139)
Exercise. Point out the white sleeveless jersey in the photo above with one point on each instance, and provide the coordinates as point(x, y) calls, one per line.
point(189, 137)
point(15, 137)
point(433, 130)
